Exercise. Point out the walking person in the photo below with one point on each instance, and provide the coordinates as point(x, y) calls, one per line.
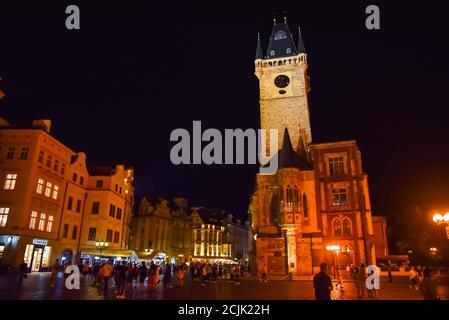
point(237, 275)
point(106, 271)
point(203, 275)
point(23, 272)
point(360, 281)
point(167, 278)
point(55, 268)
point(130, 275)
point(322, 284)
point(180, 276)
point(428, 286)
point(414, 278)
point(121, 279)
point(143, 271)
point(390, 275)
point(264, 273)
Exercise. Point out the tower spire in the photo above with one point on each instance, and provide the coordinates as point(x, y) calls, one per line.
point(259, 53)
point(301, 48)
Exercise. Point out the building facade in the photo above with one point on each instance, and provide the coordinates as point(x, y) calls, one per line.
point(316, 207)
point(47, 194)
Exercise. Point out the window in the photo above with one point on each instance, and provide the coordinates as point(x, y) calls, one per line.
point(116, 188)
point(24, 153)
point(347, 227)
point(10, 153)
point(272, 53)
point(65, 232)
point(337, 228)
point(81, 180)
point(3, 216)
point(336, 166)
point(95, 207)
point(42, 219)
point(289, 50)
point(49, 223)
point(63, 168)
point(116, 237)
point(75, 177)
point(289, 199)
point(41, 157)
point(112, 210)
point(280, 35)
point(295, 199)
point(33, 220)
point(99, 184)
point(120, 190)
point(74, 232)
point(10, 182)
point(70, 203)
point(119, 214)
point(339, 197)
point(92, 234)
point(2, 248)
point(55, 192)
point(109, 235)
point(40, 186)
point(48, 189)
point(49, 161)
point(78, 205)
point(304, 206)
point(56, 165)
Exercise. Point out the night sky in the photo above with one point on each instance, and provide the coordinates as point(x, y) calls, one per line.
point(135, 71)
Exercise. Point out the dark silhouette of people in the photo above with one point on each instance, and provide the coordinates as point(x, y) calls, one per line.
point(322, 284)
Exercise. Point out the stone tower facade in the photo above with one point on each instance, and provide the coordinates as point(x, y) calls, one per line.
point(316, 207)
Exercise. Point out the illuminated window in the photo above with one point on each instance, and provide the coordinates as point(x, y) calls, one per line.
point(42, 219)
point(339, 197)
point(48, 189)
point(55, 192)
point(289, 198)
point(272, 53)
point(92, 234)
point(10, 153)
point(337, 228)
point(33, 220)
point(10, 182)
point(40, 186)
point(2, 248)
point(289, 50)
point(24, 153)
point(28, 254)
point(49, 223)
point(295, 199)
point(336, 166)
point(3, 216)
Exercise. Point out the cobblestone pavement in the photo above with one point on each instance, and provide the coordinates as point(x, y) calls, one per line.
point(37, 287)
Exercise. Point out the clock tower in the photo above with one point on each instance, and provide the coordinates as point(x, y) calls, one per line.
point(284, 86)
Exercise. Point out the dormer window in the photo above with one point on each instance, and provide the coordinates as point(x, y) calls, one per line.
point(280, 35)
point(289, 50)
point(272, 53)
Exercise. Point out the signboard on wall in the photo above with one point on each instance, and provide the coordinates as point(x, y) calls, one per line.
point(40, 242)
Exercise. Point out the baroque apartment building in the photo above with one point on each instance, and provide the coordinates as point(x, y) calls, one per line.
point(316, 207)
point(52, 205)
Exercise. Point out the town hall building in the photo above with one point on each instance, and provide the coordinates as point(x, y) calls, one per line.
point(316, 207)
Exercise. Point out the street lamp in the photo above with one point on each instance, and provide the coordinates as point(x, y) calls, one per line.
point(101, 245)
point(434, 253)
point(335, 249)
point(440, 219)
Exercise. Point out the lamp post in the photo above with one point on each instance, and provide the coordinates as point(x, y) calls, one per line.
point(434, 254)
point(439, 219)
point(335, 250)
point(101, 245)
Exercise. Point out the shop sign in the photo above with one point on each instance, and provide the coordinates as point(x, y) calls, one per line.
point(40, 242)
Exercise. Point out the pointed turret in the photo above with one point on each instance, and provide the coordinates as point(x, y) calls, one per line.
point(281, 42)
point(301, 47)
point(259, 53)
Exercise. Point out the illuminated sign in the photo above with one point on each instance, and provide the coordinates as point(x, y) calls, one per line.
point(40, 242)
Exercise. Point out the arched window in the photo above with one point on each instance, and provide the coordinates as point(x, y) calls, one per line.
point(347, 227)
point(280, 35)
point(304, 206)
point(274, 209)
point(295, 199)
point(337, 228)
point(289, 199)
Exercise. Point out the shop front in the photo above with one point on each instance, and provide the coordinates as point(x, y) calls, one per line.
point(37, 255)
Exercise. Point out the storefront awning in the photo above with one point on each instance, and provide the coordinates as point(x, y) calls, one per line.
point(110, 253)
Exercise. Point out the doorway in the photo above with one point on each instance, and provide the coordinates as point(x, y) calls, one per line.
point(37, 259)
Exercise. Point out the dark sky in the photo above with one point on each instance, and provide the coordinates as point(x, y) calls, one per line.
point(135, 71)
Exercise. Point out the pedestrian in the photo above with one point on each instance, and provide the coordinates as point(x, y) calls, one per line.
point(414, 280)
point(55, 268)
point(390, 275)
point(204, 275)
point(360, 280)
point(86, 268)
point(167, 278)
point(428, 286)
point(130, 275)
point(23, 272)
point(153, 276)
point(322, 284)
point(237, 275)
point(180, 276)
point(106, 271)
point(143, 271)
point(121, 279)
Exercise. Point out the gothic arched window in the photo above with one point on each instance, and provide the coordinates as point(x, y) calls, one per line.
point(337, 228)
point(304, 206)
point(347, 227)
point(274, 209)
point(295, 199)
point(289, 196)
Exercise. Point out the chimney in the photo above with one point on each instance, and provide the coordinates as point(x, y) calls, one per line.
point(43, 124)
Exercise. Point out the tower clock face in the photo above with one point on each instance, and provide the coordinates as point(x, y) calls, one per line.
point(282, 81)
